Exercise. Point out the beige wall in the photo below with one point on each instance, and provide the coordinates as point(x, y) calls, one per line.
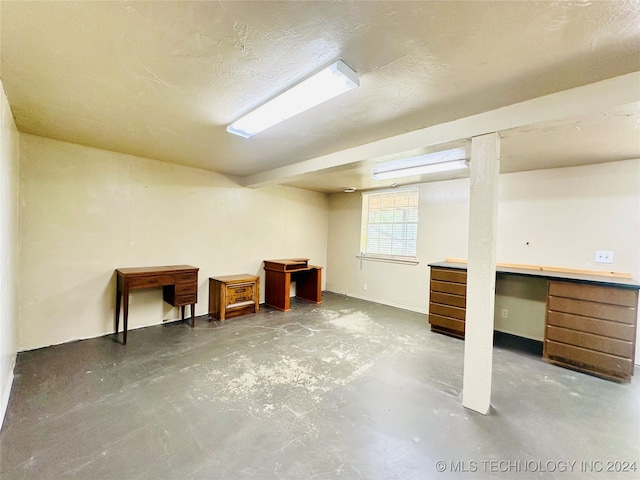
point(564, 214)
point(9, 166)
point(85, 212)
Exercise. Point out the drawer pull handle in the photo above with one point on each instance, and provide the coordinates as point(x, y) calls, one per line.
point(152, 281)
point(240, 290)
point(241, 299)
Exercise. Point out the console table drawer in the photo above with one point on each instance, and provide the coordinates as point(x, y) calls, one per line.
point(187, 277)
point(188, 299)
point(151, 281)
point(186, 288)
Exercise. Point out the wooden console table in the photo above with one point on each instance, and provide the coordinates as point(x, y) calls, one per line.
point(590, 322)
point(278, 277)
point(179, 288)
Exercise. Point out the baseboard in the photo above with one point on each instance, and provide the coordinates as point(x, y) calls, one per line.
point(390, 304)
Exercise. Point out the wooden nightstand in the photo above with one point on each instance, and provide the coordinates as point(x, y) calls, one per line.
point(233, 295)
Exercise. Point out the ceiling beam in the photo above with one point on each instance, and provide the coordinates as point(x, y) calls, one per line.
point(590, 98)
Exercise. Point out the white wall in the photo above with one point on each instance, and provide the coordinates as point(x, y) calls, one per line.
point(564, 214)
point(442, 232)
point(9, 166)
point(85, 212)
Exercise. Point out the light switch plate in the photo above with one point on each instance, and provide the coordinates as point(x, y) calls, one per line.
point(604, 256)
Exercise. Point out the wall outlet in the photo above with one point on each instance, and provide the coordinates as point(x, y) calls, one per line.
point(364, 287)
point(604, 256)
point(504, 313)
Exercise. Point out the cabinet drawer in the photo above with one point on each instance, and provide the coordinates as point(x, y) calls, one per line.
point(448, 299)
point(585, 308)
point(595, 293)
point(446, 287)
point(447, 323)
point(453, 276)
point(582, 357)
point(590, 341)
point(621, 331)
point(186, 288)
point(151, 281)
point(187, 277)
point(185, 299)
point(447, 311)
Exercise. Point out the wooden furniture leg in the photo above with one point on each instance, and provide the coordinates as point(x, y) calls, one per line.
point(118, 298)
point(277, 289)
point(125, 305)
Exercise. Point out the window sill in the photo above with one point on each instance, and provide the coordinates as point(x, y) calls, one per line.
point(387, 260)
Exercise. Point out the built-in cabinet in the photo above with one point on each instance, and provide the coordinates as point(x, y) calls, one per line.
point(591, 328)
point(590, 322)
point(448, 300)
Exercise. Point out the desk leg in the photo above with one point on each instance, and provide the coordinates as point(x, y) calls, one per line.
point(193, 315)
point(277, 287)
point(125, 305)
point(182, 312)
point(118, 298)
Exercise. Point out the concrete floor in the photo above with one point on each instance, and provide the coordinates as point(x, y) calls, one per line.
point(347, 389)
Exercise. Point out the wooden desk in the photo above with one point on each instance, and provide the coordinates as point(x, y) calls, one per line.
point(590, 322)
point(179, 288)
point(278, 277)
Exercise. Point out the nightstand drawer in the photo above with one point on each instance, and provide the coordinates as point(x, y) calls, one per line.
point(239, 293)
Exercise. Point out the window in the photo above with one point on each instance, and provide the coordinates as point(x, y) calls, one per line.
point(390, 224)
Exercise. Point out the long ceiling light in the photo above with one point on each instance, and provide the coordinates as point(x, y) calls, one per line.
point(444, 161)
point(324, 85)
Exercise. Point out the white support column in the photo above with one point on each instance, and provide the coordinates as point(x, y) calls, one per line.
point(481, 273)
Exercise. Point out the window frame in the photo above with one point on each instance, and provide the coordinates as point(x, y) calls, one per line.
point(366, 221)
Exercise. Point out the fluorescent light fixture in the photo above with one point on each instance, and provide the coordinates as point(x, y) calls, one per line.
point(444, 161)
point(324, 85)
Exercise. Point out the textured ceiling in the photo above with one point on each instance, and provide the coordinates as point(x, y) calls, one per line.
point(163, 79)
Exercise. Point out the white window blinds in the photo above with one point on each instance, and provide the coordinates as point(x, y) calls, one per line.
point(390, 224)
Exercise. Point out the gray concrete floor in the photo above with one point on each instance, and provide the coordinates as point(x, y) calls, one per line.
point(347, 389)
